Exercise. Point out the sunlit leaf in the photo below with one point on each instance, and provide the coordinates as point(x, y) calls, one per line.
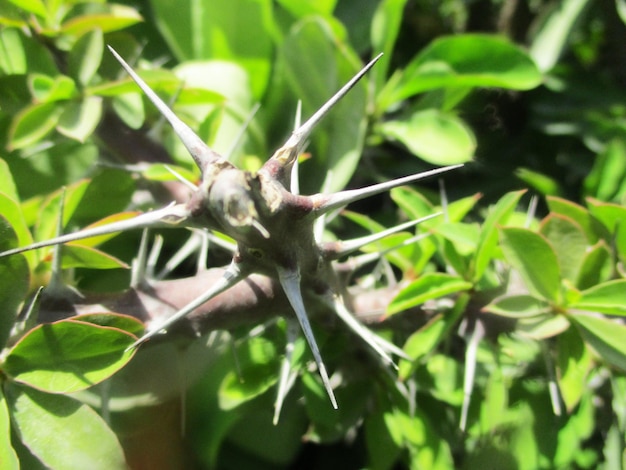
point(62, 432)
point(427, 287)
point(80, 118)
point(68, 356)
point(118, 17)
point(8, 457)
point(33, 124)
point(467, 60)
point(436, 137)
point(531, 255)
point(487, 242)
point(608, 297)
point(77, 256)
point(568, 241)
point(573, 364)
point(85, 56)
point(604, 335)
point(518, 306)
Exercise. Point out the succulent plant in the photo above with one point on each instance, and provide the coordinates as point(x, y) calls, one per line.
point(277, 230)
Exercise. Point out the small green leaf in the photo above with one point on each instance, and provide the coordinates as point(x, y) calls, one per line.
point(575, 212)
point(8, 457)
point(68, 356)
point(467, 60)
point(22, 54)
point(239, 388)
point(80, 256)
point(129, 107)
point(605, 336)
point(95, 241)
point(117, 17)
point(488, 240)
point(12, 224)
point(542, 326)
point(596, 267)
point(47, 89)
point(534, 258)
point(37, 7)
point(518, 306)
point(32, 124)
point(427, 287)
point(85, 56)
point(63, 433)
point(608, 297)
point(568, 241)
point(7, 183)
point(113, 320)
point(426, 339)
point(539, 182)
point(437, 137)
point(80, 118)
point(14, 281)
point(573, 364)
point(384, 31)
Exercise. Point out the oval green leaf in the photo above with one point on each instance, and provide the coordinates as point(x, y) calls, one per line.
point(531, 255)
point(80, 118)
point(63, 433)
point(8, 457)
point(604, 335)
point(68, 356)
point(33, 124)
point(608, 297)
point(469, 60)
point(435, 136)
point(518, 306)
point(429, 286)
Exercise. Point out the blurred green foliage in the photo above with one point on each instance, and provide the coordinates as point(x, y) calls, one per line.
point(511, 311)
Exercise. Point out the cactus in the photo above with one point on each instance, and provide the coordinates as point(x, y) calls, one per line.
point(276, 230)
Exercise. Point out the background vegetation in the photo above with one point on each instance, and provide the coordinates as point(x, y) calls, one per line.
point(510, 311)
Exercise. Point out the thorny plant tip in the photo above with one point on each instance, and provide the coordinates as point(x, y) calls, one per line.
point(272, 226)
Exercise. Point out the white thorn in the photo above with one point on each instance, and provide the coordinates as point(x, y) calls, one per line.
point(290, 281)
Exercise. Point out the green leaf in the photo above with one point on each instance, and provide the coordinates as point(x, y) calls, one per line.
point(435, 136)
point(575, 212)
point(605, 336)
point(426, 339)
point(534, 258)
point(518, 306)
point(382, 451)
point(68, 356)
point(12, 225)
point(606, 179)
point(384, 31)
point(14, 285)
point(553, 32)
point(596, 267)
point(543, 326)
point(113, 18)
point(487, 243)
point(7, 183)
point(47, 89)
point(32, 124)
point(239, 388)
point(608, 297)
point(468, 60)
point(78, 256)
point(47, 221)
point(427, 287)
point(573, 364)
point(22, 54)
point(568, 241)
point(129, 107)
point(80, 118)
point(234, 30)
point(541, 183)
point(36, 7)
point(8, 457)
point(85, 56)
point(316, 68)
point(329, 425)
point(113, 320)
point(62, 432)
